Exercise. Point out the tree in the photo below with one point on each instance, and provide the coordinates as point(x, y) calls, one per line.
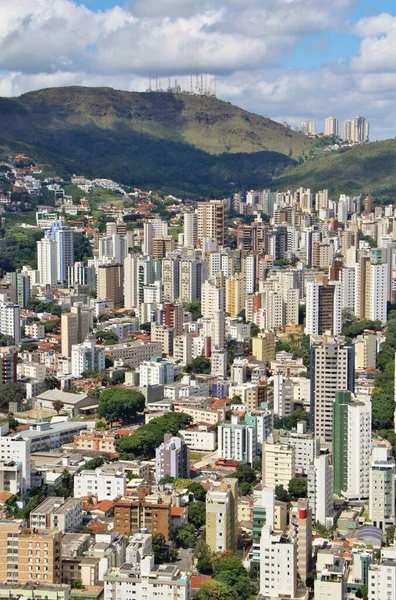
point(117, 378)
point(10, 392)
point(197, 514)
point(245, 489)
point(167, 479)
point(185, 536)
point(215, 590)
point(254, 330)
point(204, 566)
point(146, 327)
point(51, 383)
point(159, 549)
point(195, 309)
point(94, 463)
point(58, 405)
point(297, 488)
point(200, 365)
point(244, 473)
point(123, 405)
point(281, 494)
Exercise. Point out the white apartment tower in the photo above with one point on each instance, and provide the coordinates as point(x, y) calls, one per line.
point(359, 447)
point(190, 230)
point(382, 487)
point(331, 126)
point(278, 565)
point(47, 260)
point(320, 489)
point(10, 320)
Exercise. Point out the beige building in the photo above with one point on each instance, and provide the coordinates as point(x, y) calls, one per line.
point(279, 465)
point(27, 557)
point(263, 346)
point(211, 221)
point(235, 289)
point(222, 516)
point(110, 283)
point(165, 336)
point(365, 351)
point(81, 568)
point(95, 441)
point(133, 353)
point(248, 393)
point(75, 327)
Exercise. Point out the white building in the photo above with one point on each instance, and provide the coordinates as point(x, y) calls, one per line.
point(283, 395)
point(306, 446)
point(10, 320)
point(320, 489)
point(146, 580)
point(331, 126)
point(17, 449)
point(382, 487)
point(87, 357)
point(156, 372)
point(104, 483)
point(190, 230)
point(199, 439)
point(219, 362)
point(359, 448)
point(278, 565)
point(332, 575)
point(47, 260)
point(57, 513)
point(237, 441)
point(212, 297)
point(382, 577)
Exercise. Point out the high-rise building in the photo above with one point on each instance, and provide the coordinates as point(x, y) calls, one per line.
point(235, 289)
point(87, 356)
point(382, 496)
point(190, 230)
point(10, 320)
point(29, 557)
point(340, 440)
point(22, 289)
point(331, 126)
point(156, 372)
point(324, 308)
point(172, 458)
point(320, 489)
point(47, 260)
point(211, 221)
point(8, 365)
point(279, 464)
point(111, 283)
point(64, 239)
point(381, 578)
point(359, 448)
point(192, 276)
point(131, 287)
point(222, 516)
point(278, 564)
point(332, 369)
point(212, 297)
point(307, 127)
point(347, 130)
point(75, 327)
point(303, 528)
point(360, 130)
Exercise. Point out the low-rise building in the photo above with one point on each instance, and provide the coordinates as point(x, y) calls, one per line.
point(57, 513)
point(199, 438)
point(95, 441)
point(105, 483)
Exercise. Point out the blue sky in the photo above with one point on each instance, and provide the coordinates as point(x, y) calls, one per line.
point(289, 59)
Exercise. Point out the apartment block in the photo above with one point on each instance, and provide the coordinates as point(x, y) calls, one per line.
point(57, 513)
point(149, 511)
point(222, 516)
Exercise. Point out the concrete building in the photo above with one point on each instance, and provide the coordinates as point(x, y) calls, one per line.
point(332, 369)
point(47, 260)
point(10, 320)
point(320, 489)
point(87, 357)
point(306, 447)
point(134, 353)
point(57, 513)
point(147, 580)
point(8, 365)
point(199, 439)
point(382, 487)
point(324, 308)
point(145, 511)
point(382, 577)
point(218, 367)
point(111, 283)
point(365, 351)
point(17, 450)
point(35, 557)
point(190, 230)
point(279, 464)
point(278, 565)
point(172, 458)
point(237, 441)
point(221, 516)
point(11, 477)
point(211, 221)
point(156, 372)
point(283, 395)
point(104, 483)
point(263, 346)
point(75, 327)
point(95, 441)
point(332, 576)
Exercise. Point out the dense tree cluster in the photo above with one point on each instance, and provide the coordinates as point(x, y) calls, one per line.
point(144, 441)
point(383, 395)
point(117, 404)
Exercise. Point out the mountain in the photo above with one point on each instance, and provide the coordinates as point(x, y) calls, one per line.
point(369, 168)
point(194, 144)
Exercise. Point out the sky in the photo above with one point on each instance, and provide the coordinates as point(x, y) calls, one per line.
point(288, 59)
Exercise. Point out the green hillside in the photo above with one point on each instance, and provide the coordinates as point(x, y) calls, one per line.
point(185, 143)
point(361, 169)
